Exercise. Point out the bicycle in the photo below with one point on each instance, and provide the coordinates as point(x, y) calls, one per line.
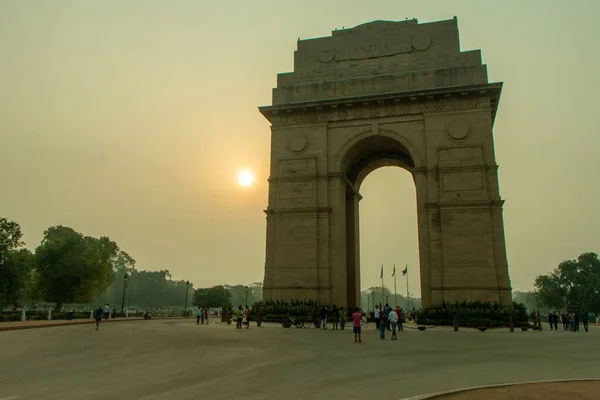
point(298, 323)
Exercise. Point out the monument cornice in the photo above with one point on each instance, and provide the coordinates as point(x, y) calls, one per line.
point(440, 100)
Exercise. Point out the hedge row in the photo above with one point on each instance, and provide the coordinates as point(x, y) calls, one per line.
point(475, 314)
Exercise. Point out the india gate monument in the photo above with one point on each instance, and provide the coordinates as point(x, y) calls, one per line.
point(384, 94)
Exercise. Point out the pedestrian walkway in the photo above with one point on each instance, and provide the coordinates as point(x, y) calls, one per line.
point(18, 325)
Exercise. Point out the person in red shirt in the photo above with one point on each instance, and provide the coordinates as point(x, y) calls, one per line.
point(399, 312)
point(247, 317)
point(356, 319)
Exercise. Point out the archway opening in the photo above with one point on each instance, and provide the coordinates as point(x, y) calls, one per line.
point(392, 206)
point(388, 236)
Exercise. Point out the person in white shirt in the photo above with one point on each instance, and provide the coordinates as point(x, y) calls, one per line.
point(106, 311)
point(393, 318)
point(377, 317)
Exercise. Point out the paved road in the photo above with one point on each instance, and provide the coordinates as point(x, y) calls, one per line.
point(150, 360)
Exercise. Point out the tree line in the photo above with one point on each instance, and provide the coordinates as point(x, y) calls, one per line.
point(68, 267)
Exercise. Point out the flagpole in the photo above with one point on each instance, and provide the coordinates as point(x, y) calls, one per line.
point(382, 294)
point(407, 292)
point(395, 297)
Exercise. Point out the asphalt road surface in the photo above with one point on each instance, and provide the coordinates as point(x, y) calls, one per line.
point(177, 359)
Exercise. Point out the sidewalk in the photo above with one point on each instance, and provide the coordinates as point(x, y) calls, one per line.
point(18, 325)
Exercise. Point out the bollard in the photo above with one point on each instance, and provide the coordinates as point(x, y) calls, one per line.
point(126, 313)
point(23, 316)
point(91, 314)
point(512, 320)
point(49, 315)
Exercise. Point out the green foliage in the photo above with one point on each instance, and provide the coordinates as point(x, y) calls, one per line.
point(10, 236)
point(15, 274)
point(238, 293)
point(217, 296)
point(146, 289)
point(294, 308)
point(572, 282)
point(71, 267)
point(473, 314)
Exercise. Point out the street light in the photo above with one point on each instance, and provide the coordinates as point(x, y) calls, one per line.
point(187, 289)
point(246, 295)
point(125, 279)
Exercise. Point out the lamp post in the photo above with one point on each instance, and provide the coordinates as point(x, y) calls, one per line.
point(187, 289)
point(246, 295)
point(125, 279)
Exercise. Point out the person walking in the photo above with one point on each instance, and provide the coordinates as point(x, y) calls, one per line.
point(199, 315)
point(323, 317)
point(550, 318)
point(584, 320)
point(393, 318)
point(386, 316)
point(106, 311)
point(399, 313)
point(336, 317)
point(555, 320)
point(206, 313)
point(356, 320)
point(98, 316)
point(382, 330)
point(247, 317)
point(572, 321)
point(343, 318)
point(377, 317)
point(238, 317)
point(565, 321)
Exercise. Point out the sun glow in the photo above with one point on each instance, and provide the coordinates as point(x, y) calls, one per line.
point(245, 178)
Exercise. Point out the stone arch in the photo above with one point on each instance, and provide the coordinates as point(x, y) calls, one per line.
point(402, 111)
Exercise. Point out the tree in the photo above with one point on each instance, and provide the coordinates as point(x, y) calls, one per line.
point(71, 267)
point(10, 237)
point(217, 296)
point(14, 276)
point(573, 282)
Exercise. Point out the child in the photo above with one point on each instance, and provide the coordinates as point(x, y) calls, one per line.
point(356, 318)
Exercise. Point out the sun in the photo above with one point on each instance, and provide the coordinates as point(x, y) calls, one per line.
point(245, 178)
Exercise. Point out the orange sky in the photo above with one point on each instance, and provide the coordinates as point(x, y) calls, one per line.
point(131, 119)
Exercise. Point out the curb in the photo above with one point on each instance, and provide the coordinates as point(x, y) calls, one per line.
point(440, 395)
point(82, 322)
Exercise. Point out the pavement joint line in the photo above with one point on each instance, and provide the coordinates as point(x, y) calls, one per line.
point(440, 395)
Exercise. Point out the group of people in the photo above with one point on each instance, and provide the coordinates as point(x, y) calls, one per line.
point(388, 319)
point(339, 317)
point(570, 321)
point(201, 315)
point(240, 314)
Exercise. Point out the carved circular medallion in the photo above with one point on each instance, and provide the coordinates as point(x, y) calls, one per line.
point(326, 55)
point(298, 143)
point(421, 42)
point(458, 132)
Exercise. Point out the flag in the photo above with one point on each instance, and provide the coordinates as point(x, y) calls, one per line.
point(381, 271)
point(405, 271)
point(394, 273)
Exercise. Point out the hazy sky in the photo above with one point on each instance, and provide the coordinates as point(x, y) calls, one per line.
point(131, 120)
